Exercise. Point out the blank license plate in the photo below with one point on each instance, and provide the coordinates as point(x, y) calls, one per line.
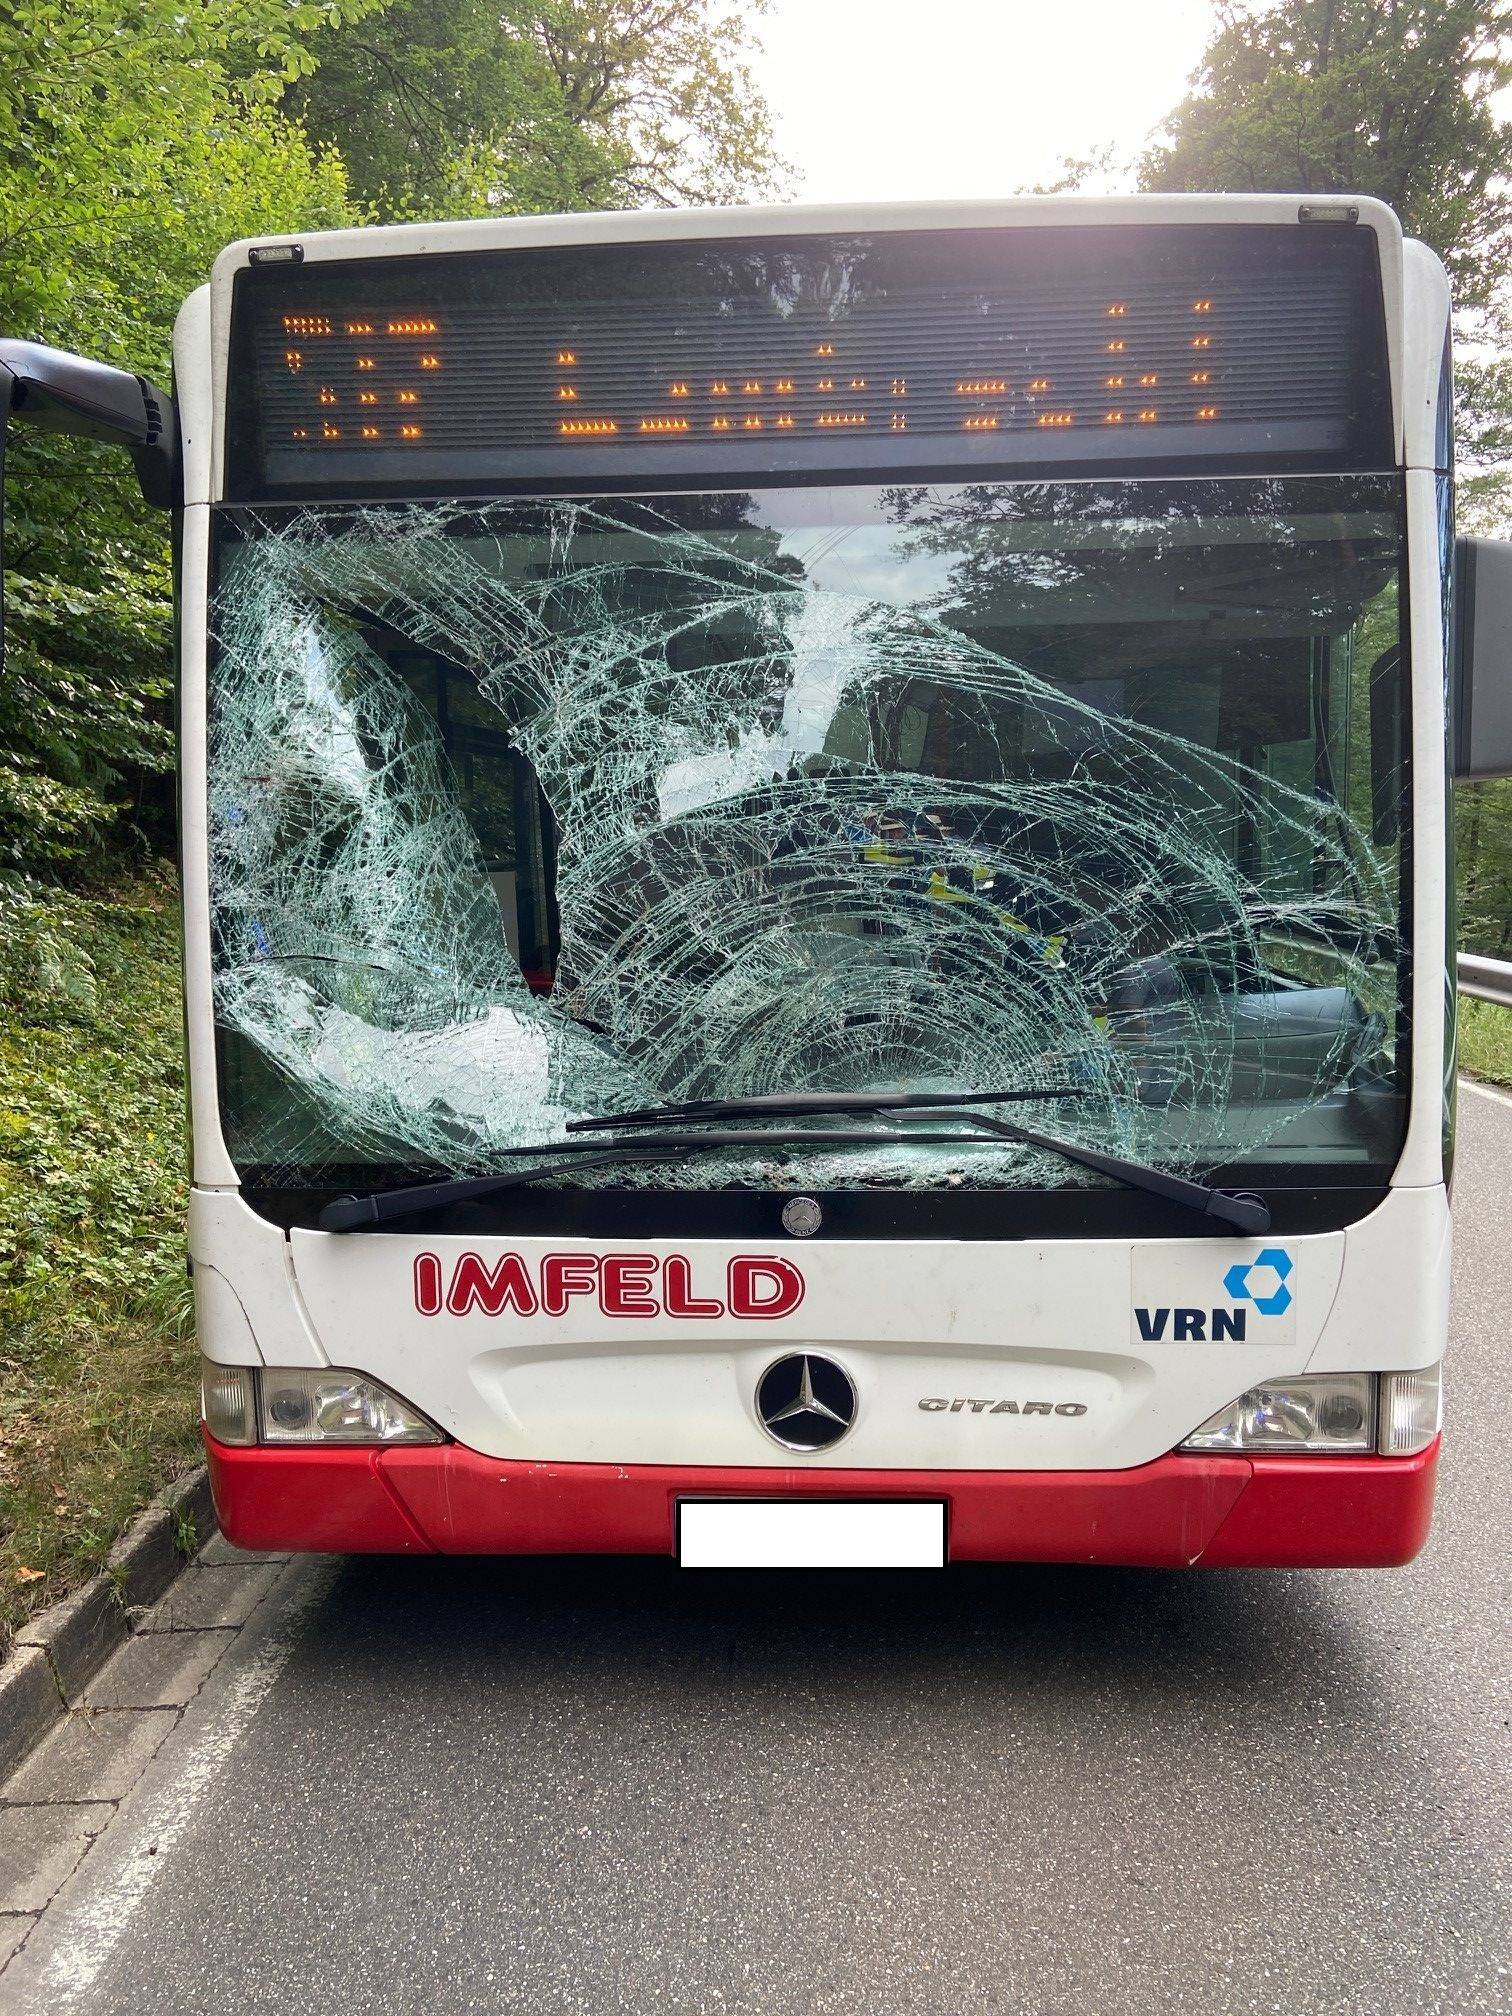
point(786, 1533)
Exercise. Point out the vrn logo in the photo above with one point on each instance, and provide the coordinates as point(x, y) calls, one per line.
point(1257, 1285)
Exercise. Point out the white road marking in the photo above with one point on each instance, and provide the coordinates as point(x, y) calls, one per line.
point(1486, 1091)
point(91, 1931)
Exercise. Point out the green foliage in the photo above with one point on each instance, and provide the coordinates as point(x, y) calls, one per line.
point(84, 700)
point(96, 1388)
point(1483, 846)
point(1485, 1040)
point(130, 152)
point(1388, 98)
point(481, 107)
point(91, 1091)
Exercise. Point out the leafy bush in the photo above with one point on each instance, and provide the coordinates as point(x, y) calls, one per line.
point(130, 152)
point(91, 1092)
point(96, 1355)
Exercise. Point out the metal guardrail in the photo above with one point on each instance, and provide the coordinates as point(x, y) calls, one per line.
point(1486, 979)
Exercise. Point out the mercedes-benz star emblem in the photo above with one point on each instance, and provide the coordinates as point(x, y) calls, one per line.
point(806, 1402)
point(802, 1217)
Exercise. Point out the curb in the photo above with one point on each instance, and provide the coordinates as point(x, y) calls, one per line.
point(59, 1652)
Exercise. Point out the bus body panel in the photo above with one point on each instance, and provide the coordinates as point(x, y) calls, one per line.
point(948, 1342)
point(1425, 330)
point(580, 1430)
point(210, 1159)
point(1176, 1512)
point(1421, 1160)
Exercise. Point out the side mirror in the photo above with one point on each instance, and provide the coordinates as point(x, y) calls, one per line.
point(64, 394)
point(1481, 690)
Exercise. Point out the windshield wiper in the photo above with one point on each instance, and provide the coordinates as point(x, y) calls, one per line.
point(1244, 1213)
point(349, 1214)
point(789, 1105)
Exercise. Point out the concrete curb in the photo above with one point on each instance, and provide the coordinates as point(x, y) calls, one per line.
point(59, 1652)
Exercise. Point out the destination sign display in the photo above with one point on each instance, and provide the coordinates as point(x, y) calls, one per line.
point(938, 351)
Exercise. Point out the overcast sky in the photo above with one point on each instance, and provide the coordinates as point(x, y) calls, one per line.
point(898, 98)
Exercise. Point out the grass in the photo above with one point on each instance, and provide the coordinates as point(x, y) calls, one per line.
point(1485, 1040)
point(97, 1360)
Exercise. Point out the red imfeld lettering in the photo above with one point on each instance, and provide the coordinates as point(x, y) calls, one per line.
point(763, 1287)
point(564, 1275)
point(677, 1290)
point(428, 1284)
point(491, 1289)
point(626, 1290)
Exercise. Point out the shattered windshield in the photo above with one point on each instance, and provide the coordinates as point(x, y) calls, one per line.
point(527, 810)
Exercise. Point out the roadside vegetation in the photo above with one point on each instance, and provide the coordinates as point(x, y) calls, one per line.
point(141, 141)
point(97, 1387)
point(1485, 1041)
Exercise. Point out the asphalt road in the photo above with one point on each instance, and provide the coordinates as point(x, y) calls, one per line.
point(594, 1787)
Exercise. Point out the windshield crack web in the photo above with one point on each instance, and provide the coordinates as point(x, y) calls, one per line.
point(766, 875)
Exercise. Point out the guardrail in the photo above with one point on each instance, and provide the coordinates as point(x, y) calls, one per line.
point(1486, 979)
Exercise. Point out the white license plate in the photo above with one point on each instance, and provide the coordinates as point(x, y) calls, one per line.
point(792, 1533)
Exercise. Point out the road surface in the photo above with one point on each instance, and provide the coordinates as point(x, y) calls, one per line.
point(600, 1787)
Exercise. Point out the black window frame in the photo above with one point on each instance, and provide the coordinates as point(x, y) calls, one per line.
point(1303, 1197)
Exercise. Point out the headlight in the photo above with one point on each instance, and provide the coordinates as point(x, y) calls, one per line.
point(333, 1406)
point(242, 1406)
point(1412, 1410)
point(1332, 1413)
point(226, 1402)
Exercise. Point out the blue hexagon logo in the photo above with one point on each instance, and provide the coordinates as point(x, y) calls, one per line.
point(1238, 1284)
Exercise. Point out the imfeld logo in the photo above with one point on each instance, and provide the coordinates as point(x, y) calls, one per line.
point(755, 1287)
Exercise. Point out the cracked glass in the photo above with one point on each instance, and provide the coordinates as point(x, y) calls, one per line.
point(527, 810)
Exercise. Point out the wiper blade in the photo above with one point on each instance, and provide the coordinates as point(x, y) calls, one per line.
point(350, 1214)
point(1244, 1213)
point(790, 1105)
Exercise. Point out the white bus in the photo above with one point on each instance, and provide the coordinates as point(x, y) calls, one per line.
point(814, 877)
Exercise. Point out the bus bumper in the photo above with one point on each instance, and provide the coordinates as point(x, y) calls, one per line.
point(1179, 1511)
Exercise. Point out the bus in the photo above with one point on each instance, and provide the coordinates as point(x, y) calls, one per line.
point(816, 908)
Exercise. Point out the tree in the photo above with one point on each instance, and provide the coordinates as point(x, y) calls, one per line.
point(472, 107)
point(1388, 98)
point(136, 139)
point(129, 154)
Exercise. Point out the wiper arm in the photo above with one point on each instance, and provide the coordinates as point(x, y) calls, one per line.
point(790, 1105)
point(1245, 1214)
point(348, 1214)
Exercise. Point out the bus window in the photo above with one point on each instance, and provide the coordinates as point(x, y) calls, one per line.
point(853, 786)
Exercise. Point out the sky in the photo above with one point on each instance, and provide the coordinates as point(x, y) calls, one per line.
point(880, 99)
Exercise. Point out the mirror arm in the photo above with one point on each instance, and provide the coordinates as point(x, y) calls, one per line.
point(64, 394)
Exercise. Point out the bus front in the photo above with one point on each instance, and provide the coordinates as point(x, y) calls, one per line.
point(814, 878)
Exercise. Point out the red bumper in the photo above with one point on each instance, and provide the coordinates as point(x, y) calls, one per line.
point(1180, 1511)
